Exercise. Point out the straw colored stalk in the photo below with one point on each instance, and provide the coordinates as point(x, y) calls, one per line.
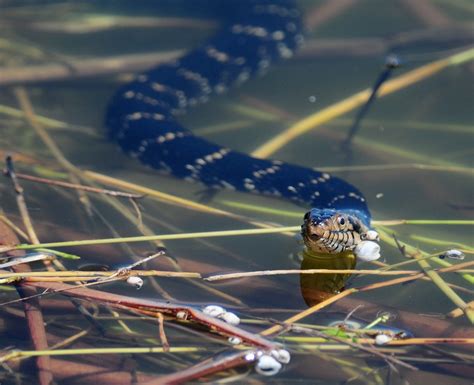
point(70, 352)
point(208, 234)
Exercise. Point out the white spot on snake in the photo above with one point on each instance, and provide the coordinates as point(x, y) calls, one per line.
point(134, 116)
point(284, 51)
point(278, 35)
point(250, 30)
point(158, 87)
point(197, 78)
point(292, 189)
point(144, 115)
point(214, 53)
point(170, 136)
point(249, 186)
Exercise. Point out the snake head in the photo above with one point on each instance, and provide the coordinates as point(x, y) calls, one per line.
point(332, 231)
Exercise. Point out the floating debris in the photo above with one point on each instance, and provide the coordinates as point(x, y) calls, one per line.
point(230, 318)
point(137, 282)
point(219, 312)
point(235, 340)
point(267, 365)
point(383, 339)
point(453, 254)
point(281, 355)
point(214, 310)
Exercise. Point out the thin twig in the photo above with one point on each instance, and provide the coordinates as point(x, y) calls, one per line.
point(162, 334)
point(205, 234)
point(73, 186)
point(20, 200)
point(220, 277)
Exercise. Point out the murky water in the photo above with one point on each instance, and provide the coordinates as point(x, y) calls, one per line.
point(416, 144)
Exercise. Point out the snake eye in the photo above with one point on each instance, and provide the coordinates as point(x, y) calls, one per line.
point(341, 221)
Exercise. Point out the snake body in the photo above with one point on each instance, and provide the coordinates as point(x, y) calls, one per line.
point(142, 116)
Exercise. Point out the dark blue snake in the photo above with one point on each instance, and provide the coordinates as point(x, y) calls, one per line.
point(142, 117)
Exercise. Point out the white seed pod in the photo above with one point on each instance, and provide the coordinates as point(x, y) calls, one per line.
point(367, 251)
point(230, 318)
point(453, 254)
point(267, 365)
point(250, 357)
point(181, 315)
point(213, 310)
point(235, 340)
point(281, 355)
point(136, 282)
point(382, 339)
point(372, 235)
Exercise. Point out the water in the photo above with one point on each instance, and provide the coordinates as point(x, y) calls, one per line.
point(428, 123)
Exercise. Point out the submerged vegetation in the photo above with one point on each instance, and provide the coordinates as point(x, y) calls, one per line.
point(171, 285)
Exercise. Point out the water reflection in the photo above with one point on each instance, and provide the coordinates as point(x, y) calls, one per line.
point(316, 288)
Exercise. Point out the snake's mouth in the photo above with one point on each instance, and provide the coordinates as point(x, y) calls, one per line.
point(329, 231)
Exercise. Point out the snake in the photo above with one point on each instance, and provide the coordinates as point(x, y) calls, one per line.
point(143, 118)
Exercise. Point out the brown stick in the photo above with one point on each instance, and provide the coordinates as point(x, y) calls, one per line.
point(33, 313)
point(180, 312)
